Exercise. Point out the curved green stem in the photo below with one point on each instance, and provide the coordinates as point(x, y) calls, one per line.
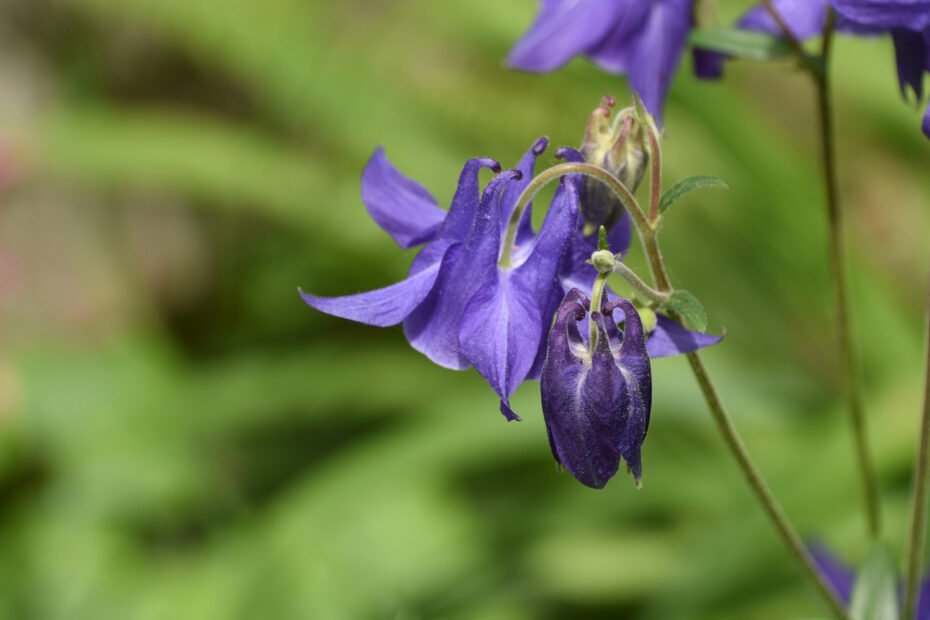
point(644, 290)
point(551, 174)
point(597, 295)
point(915, 543)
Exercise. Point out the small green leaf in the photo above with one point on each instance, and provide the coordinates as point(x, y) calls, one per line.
point(691, 310)
point(875, 595)
point(741, 43)
point(684, 186)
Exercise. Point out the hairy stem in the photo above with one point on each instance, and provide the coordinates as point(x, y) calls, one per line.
point(597, 295)
point(915, 543)
point(644, 290)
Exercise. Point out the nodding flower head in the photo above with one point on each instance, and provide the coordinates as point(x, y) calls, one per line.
point(596, 396)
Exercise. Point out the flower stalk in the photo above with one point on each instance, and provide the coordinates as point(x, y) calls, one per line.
point(556, 172)
point(918, 529)
point(818, 69)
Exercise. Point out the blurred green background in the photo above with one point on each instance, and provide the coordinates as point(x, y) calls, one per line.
point(180, 437)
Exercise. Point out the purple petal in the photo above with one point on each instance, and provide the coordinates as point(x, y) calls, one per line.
point(804, 18)
point(562, 30)
point(461, 217)
point(925, 125)
point(612, 53)
point(923, 601)
point(910, 50)
point(505, 323)
point(527, 168)
point(579, 401)
point(708, 65)
point(840, 577)
point(384, 306)
point(398, 204)
point(633, 361)
point(913, 14)
point(656, 51)
point(670, 338)
point(433, 327)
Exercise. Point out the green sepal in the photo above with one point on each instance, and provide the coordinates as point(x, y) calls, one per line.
point(875, 595)
point(602, 239)
point(689, 308)
point(741, 43)
point(684, 186)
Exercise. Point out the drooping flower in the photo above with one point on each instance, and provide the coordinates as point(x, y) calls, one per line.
point(907, 21)
point(459, 306)
point(642, 39)
point(596, 396)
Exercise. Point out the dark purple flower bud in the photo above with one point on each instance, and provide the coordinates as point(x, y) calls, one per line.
point(596, 397)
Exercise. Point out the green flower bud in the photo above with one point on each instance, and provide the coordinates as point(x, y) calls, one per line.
point(603, 261)
point(617, 145)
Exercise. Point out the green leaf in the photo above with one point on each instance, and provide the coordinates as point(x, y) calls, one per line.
point(691, 310)
point(875, 595)
point(741, 43)
point(686, 185)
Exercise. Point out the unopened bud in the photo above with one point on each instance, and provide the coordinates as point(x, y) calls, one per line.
point(603, 261)
point(616, 143)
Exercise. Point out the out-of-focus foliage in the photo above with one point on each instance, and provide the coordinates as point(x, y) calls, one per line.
point(180, 437)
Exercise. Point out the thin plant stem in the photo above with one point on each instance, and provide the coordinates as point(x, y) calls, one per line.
point(738, 449)
point(759, 487)
point(597, 295)
point(820, 74)
point(645, 291)
point(847, 348)
point(915, 542)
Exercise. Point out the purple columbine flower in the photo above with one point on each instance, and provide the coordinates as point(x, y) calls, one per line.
point(907, 21)
point(459, 307)
point(596, 397)
point(643, 39)
point(842, 578)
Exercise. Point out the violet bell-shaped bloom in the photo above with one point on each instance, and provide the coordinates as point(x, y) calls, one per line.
point(596, 397)
point(642, 39)
point(459, 307)
point(907, 21)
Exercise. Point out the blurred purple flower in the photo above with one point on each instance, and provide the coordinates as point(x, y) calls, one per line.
point(842, 578)
point(907, 21)
point(596, 402)
point(458, 306)
point(643, 39)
